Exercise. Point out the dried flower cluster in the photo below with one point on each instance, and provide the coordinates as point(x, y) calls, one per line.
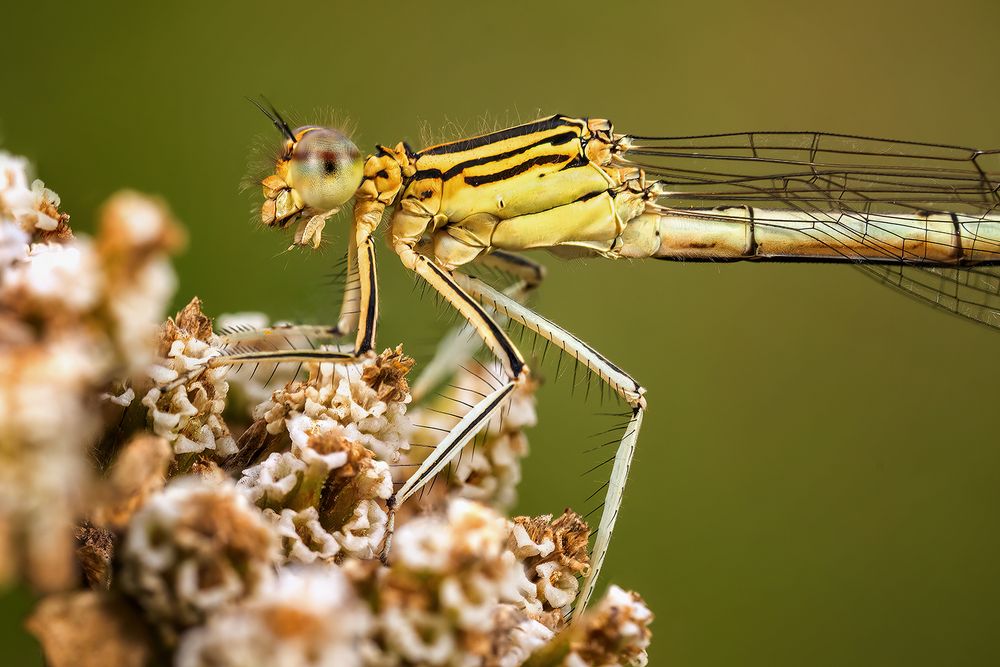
point(189, 414)
point(324, 496)
point(173, 523)
point(75, 314)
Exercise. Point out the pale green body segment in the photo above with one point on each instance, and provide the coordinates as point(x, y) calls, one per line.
point(748, 233)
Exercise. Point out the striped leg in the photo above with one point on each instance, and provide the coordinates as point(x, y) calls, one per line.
point(347, 321)
point(617, 379)
point(366, 303)
point(495, 339)
point(458, 346)
point(236, 336)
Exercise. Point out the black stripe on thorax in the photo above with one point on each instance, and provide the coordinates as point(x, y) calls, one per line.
point(554, 140)
point(487, 139)
point(504, 174)
point(595, 193)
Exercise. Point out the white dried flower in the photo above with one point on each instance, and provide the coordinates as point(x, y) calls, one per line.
point(14, 243)
point(47, 420)
point(614, 633)
point(60, 276)
point(122, 399)
point(438, 602)
point(14, 192)
point(40, 395)
point(515, 637)
point(309, 617)
point(194, 547)
point(58, 354)
point(137, 232)
point(371, 395)
point(34, 208)
point(189, 414)
point(554, 554)
point(137, 308)
point(324, 494)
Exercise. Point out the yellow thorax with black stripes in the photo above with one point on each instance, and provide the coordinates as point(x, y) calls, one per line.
point(500, 173)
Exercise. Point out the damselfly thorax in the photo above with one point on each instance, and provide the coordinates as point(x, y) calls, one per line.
point(920, 217)
point(548, 184)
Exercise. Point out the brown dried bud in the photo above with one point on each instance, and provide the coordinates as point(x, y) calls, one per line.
point(613, 633)
point(187, 401)
point(194, 547)
point(324, 496)
point(554, 554)
point(95, 550)
point(139, 471)
point(90, 629)
point(387, 376)
point(569, 536)
point(133, 227)
point(190, 322)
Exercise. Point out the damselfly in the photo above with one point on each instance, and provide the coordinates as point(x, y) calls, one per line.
point(922, 218)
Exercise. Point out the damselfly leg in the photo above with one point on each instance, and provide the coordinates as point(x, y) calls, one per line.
point(461, 343)
point(622, 383)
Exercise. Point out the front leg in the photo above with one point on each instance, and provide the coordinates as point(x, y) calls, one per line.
point(347, 321)
point(383, 176)
point(367, 289)
point(368, 307)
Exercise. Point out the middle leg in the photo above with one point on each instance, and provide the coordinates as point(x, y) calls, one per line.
point(366, 303)
point(458, 345)
point(496, 340)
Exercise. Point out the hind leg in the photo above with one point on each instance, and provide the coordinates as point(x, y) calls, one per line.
point(630, 390)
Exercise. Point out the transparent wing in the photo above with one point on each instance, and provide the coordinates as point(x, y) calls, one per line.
point(845, 183)
point(972, 292)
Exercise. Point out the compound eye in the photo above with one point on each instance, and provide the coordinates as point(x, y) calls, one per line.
point(326, 168)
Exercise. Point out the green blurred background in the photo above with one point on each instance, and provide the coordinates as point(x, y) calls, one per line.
point(817, 480)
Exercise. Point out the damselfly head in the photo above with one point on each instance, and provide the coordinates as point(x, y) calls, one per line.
point(324, 167)
point(316, 171)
